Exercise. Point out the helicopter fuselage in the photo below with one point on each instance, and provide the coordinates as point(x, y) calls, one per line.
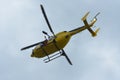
point(52, 45)
point(59, 41)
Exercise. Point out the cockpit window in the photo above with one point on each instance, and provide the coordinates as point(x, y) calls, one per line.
point(51, 38)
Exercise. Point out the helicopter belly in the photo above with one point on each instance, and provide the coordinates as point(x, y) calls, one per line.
point(44, 50)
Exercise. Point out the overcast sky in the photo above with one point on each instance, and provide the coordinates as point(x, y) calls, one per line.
point(22, 22)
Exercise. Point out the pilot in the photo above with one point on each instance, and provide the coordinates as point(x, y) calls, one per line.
point(50, 37)
point(44, 42)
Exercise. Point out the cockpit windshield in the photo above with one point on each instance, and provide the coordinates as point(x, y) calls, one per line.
point(51, 38)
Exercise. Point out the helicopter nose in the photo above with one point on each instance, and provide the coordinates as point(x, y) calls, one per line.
point(32, 55)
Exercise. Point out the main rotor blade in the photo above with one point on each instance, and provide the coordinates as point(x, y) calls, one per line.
point(64, 54)
point(30, 46)
point(45, 16)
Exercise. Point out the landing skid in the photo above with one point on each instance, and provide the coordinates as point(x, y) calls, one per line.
point(50, 58)
point(57, 55)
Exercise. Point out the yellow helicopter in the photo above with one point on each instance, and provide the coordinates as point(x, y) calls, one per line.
point(57, 42)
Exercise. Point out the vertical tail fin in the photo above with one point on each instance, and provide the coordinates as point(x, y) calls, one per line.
point(85, 16)
point(94, 33)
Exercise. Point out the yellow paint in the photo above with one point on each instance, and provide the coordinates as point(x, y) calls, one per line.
point(61, 40)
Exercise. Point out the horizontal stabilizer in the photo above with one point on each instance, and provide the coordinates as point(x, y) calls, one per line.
point(89, 25)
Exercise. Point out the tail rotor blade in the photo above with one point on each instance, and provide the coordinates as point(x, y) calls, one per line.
point(95, 17)
point(97, 14)
point(47, 21)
